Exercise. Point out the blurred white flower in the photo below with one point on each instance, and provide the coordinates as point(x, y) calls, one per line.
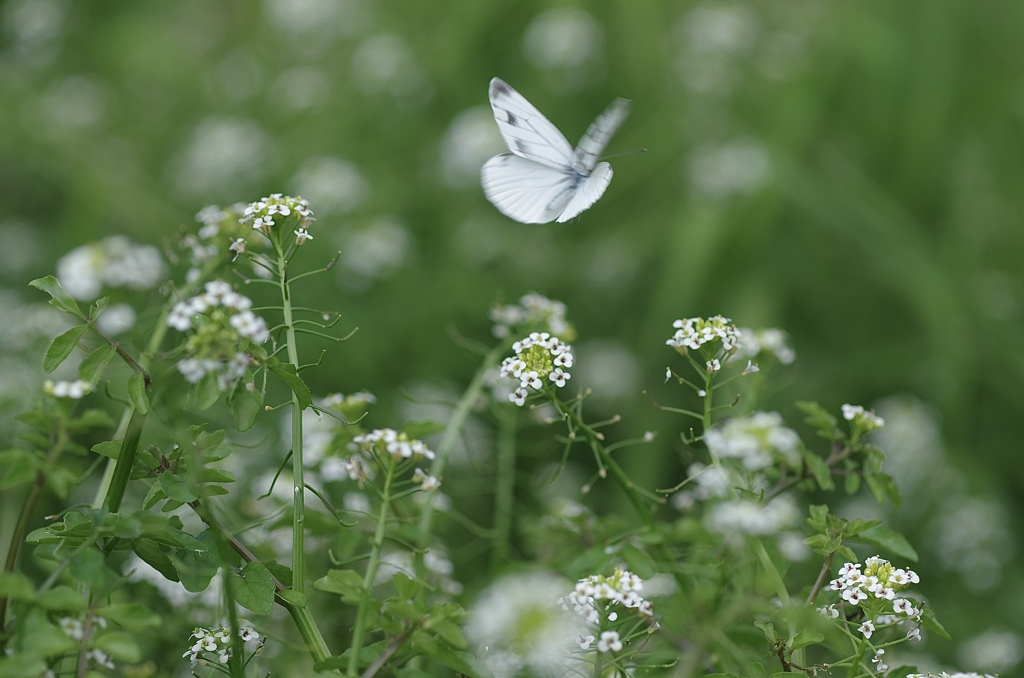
point(718, 29)
point(116, 319)
point(566, 39)
point(740, 517)
point(739, 166)
point(223, 156)
point(72, 105)
point(332, 184)
point(33, 27)
point(997, 650)
point(385, 64)
point(372, 254)
point(469, 141)
point(112, 262)
point(316, 24)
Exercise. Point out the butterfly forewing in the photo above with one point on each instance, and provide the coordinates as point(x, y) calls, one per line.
point(524, 190)
point(527, 132)
point(543, 178)
point(599, 134)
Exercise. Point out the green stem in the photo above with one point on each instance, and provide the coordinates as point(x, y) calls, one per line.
point(504, 491)
point(298, 470)
point(451, 434)
point(124, 462)
point(371, 569)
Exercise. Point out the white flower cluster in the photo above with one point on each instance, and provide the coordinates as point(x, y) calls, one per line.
point(426, 481)
point(538, 358)
point(768, 340)
point(216, 643)
point(74, 629)
point(398, 445)
point(261, 215)
point(112, 262)
point(738, 517)
point(693, 333)
point(75, 390)
point(534, 311)
point(586, 600)
point(879, 581)
point(865, 419)
point(757, 441)
point(212, 350)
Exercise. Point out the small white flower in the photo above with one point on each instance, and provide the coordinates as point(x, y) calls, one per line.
point(867, 628)
point(584, 641)
point(609, 642)
point(301, 236)
point(714, 365)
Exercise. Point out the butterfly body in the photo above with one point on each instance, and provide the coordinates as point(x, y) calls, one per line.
point(543, 178)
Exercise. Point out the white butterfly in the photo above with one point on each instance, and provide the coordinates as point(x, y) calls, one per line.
point(543, 179)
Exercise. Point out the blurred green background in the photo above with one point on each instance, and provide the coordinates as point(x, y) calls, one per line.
point(850, 172)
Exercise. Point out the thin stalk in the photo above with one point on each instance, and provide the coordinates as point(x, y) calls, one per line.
point(371, 569)
point(451, 434)
point(298, 471)
point(504, 491)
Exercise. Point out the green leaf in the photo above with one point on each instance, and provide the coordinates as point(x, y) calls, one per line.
point(929, 622)
point(851, 483)
point(768, 629)
point(137, 392)
point(197, 562)
point(860, 525)
point(818, 417)
point(62, 598)
point(347, 583)
point(253, 588)
point(818, 517)
point(21, 666)
point(177, 488)
point(62, 346)
point(59, 297)
point(17, 467)
point(93, 365)
point(639, 562)
point(807, 637)
point(889, 541)
point(154, 556)
point(16, 586)
point(407, 588)
point(286, 373)
point(207, 392)
point(40, 637)
point(819, 470)
point(98, 307)
point(110, 448)
point(130, 615)
point(451, 633)
point(294, 598)
point(421, 429)
point(89, 567)
point(245, 406)
point(119, 646)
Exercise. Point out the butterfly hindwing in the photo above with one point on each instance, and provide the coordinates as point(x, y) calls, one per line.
point(587, 193)
point(527, 132)
point(543, 179)
point(527, 191)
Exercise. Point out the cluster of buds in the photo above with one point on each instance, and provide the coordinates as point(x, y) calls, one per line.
point(214, 645)
point(596, 594)
point(696, 333)
point(533, 312)
point(538, 359)
point(395, 443)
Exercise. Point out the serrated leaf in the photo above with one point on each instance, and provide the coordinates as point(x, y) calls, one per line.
point(93, 365)
point(62, 346)
point(245, 407)
point(889, 541)
point(59, 297)
point(137, 392)
point(253, 588)
point(286, 373)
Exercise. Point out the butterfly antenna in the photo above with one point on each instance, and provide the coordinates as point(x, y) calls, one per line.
point(616, 155)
